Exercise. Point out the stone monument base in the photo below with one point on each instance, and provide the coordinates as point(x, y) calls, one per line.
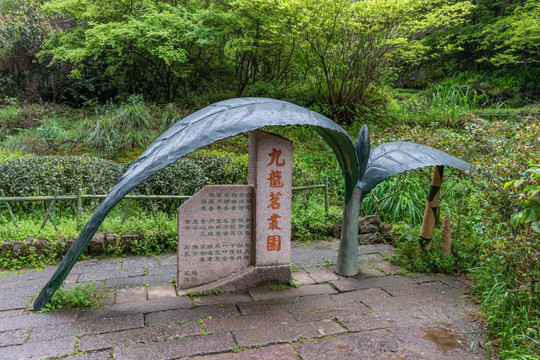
point(247, 278)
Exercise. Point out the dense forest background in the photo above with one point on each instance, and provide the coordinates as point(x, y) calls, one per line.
point(87, 85)
point(339, 56)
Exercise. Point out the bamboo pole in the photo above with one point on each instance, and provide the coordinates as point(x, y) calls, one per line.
point(431, 212)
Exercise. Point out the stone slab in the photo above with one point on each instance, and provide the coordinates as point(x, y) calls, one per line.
point(255, 321)
point(13, 337)
point(130, 294)
point(159, 291)
point(144, 307)
point(32, 319)
point(286, 333)
point(351, 284)
point(214, 234)
point(39, 350)
point(94, 355)
point(281, 352)
point(307, 290)
point(197, 345)
point(270, 172)
point(300, 277)
point(138, 336)
point(377, 344)
point(235, 297)
point(197, 313)
point(322, 274)
point(42, 333)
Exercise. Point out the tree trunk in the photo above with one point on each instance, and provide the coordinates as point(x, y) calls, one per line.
point(347, 262)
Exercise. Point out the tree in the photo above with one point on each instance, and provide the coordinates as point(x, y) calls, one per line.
point(144, 44)
point(515, 38)
point(347, 48)
point(22, 31)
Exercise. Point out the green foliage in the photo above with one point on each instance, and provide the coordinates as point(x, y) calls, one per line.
point(398, 199)
point(83, 296)
point(22, 30)
point(530, 204)
point(515, 38)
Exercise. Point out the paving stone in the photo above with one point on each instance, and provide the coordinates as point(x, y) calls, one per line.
point(167, 260)
point(285, 333)
point(10, 313)
point(164, 271)
point(131, 294)
point(87, 327)
point(200, 312)
point(307, 290)
point(408, 302)
point(256, 307)
point(326, 309)
point(300, 277)
point(40, 350)
point(449, 313)
point(32, 319)
point(434, 287)
point(102, 274)
point(189, 346)
point(351, 284)
point(371, 295)
point(281, 352)
point(369, 270)
point(18, 289)
point(138, 262)
point(255, 321)
point(383, 319)
point(377, 344)
point(94, 355)
point(234, 297)
point(137, 280)
point(15, 303)
point(158, 291)
point(322, 274)
point(387, 267)
point(135, 336)
point(313, 256)
point(136, 307)
point(369, 258)
point(13, 337)
point(435, 342)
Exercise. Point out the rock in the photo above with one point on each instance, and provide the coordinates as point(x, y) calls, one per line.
point(6, 247)
point(17, 250)
point(336, 231)
point(110, 239)
point(367, 239)
point(97, 244)
point(69, 242)
point(28, 246)
point(41, 246)
point(127, 239)
point(369, 224)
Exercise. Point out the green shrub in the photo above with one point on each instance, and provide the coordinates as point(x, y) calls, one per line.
point(83, 296)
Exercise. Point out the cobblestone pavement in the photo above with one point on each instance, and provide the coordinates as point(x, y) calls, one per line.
point(376, 315)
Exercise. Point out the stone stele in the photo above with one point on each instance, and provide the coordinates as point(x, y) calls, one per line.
point(270, 173)
point(214, 234)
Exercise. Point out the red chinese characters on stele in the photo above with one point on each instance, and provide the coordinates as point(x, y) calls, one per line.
point(273, 241)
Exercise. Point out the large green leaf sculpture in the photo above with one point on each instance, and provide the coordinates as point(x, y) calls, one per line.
point(361, 170)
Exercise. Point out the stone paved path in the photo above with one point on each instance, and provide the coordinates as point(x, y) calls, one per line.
point(377, 315)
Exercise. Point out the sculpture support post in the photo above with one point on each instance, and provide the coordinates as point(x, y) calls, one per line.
point(347, 262)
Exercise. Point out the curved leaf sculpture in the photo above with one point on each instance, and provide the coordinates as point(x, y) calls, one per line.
point(362, 168)
point(374, 166)
point(202, 128)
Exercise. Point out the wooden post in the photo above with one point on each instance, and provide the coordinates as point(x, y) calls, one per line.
point(9, 209)
point(431, 212)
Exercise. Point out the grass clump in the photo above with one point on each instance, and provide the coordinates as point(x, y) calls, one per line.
point(83, 296)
